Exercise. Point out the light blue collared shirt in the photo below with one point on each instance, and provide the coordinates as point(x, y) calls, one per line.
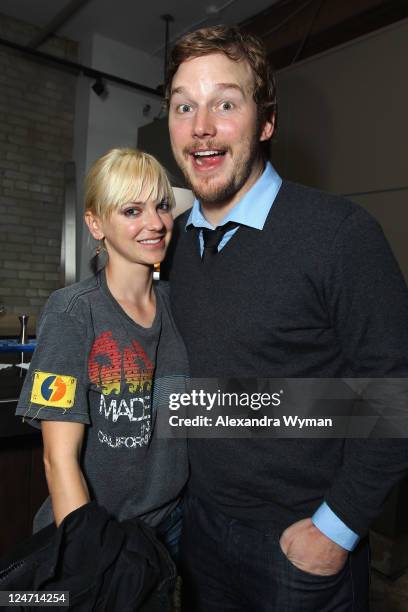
point(252, 210)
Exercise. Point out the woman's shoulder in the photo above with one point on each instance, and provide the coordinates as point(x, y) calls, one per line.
point(73, 298)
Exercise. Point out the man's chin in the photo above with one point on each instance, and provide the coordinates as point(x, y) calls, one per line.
point(213, 197)
point(211, 191)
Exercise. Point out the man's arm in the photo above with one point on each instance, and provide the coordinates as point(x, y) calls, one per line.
point(310, 550)
point(367, 302)
point(334, 528)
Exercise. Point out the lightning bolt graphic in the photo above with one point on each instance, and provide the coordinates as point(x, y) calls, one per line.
point(58, 387)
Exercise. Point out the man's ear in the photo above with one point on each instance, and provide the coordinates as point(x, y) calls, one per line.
point(94, 225)
point(267, 129)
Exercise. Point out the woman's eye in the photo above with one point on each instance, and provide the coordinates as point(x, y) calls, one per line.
point(131, 212)
point(183, 108)
point(226, 106)
point(163, 206)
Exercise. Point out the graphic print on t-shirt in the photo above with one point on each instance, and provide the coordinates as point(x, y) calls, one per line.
point(124, 374)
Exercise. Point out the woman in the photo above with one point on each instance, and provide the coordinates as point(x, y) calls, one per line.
point(107, 355)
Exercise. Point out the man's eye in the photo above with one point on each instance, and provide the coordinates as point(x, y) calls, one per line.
point(184, 108)
point(164, 206)
point(226, 106)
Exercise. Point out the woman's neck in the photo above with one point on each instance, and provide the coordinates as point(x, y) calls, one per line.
point(132, 284)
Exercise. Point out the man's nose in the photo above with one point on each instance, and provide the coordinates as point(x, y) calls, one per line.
point(204, 124)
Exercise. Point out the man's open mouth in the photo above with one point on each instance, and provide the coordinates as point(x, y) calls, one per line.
point(207, 156)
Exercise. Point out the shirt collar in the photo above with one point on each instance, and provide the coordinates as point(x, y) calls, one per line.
point(252, 209)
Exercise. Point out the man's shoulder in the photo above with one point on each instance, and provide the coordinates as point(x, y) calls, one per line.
point(311, 197)
point(181, 220)
point(178, 232)
point(316, 207)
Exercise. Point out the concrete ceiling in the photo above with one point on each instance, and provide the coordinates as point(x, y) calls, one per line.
point(135, 23)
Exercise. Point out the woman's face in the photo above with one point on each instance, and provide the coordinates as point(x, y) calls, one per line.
point(136, 232)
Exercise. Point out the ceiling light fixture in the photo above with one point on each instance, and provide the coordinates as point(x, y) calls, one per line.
point(100, 88)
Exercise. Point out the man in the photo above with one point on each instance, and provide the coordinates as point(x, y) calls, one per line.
point(274, 280)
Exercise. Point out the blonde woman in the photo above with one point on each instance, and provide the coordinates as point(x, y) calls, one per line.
point(102, 345)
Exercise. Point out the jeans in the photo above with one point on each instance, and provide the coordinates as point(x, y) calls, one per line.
point(230, 566)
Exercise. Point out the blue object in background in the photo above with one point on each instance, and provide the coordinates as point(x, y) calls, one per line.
point(12, 346)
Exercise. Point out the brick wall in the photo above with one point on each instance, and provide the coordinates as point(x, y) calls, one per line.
point(36, 137)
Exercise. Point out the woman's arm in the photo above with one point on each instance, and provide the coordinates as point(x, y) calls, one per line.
point(62, 450)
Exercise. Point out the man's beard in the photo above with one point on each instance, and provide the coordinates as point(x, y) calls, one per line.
point(218, 194)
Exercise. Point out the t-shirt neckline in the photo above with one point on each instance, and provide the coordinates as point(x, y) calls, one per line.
point(155, 326)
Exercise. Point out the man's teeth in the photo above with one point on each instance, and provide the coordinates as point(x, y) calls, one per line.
point(207, 153)
point(155, 241)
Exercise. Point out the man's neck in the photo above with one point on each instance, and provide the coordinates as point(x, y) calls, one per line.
point(215, 212)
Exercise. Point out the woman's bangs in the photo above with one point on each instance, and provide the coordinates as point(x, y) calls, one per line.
point(134, 180)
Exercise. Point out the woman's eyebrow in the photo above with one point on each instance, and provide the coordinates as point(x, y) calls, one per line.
point(143, 202)
point(132, 203)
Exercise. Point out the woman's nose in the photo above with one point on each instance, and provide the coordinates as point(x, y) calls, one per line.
point(153, 220)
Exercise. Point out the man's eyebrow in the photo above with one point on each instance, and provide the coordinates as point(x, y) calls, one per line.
point(219, 86)
point(178, 90)
point(229, 86)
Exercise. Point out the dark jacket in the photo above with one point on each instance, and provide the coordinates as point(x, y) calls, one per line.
point(105, 565)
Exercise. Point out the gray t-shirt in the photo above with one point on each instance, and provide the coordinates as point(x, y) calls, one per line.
point(94, 365)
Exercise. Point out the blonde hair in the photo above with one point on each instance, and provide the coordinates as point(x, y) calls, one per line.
point(125, 175)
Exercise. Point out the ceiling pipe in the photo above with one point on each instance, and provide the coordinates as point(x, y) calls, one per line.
point(57, 22)
point(194, 26)
point(76, 68)
point(168, 19)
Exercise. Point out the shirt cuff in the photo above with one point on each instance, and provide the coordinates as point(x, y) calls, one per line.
point(329, 523)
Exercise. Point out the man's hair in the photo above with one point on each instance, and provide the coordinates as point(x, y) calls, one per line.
point(237, 45)
point(124, 175)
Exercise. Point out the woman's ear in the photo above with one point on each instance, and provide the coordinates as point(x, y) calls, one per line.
point(94, 225)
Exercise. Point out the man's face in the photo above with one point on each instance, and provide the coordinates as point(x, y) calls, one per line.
point(214, 129)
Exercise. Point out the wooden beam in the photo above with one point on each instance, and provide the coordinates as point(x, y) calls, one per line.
point(336, 22)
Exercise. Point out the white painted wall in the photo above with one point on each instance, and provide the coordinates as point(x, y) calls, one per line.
point(114, 121)
point(342, 115)
point(342, 126)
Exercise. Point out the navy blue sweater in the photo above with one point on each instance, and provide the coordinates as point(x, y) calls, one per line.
point(316, 293)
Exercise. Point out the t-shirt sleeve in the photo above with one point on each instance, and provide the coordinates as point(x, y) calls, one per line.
point(55, 387)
